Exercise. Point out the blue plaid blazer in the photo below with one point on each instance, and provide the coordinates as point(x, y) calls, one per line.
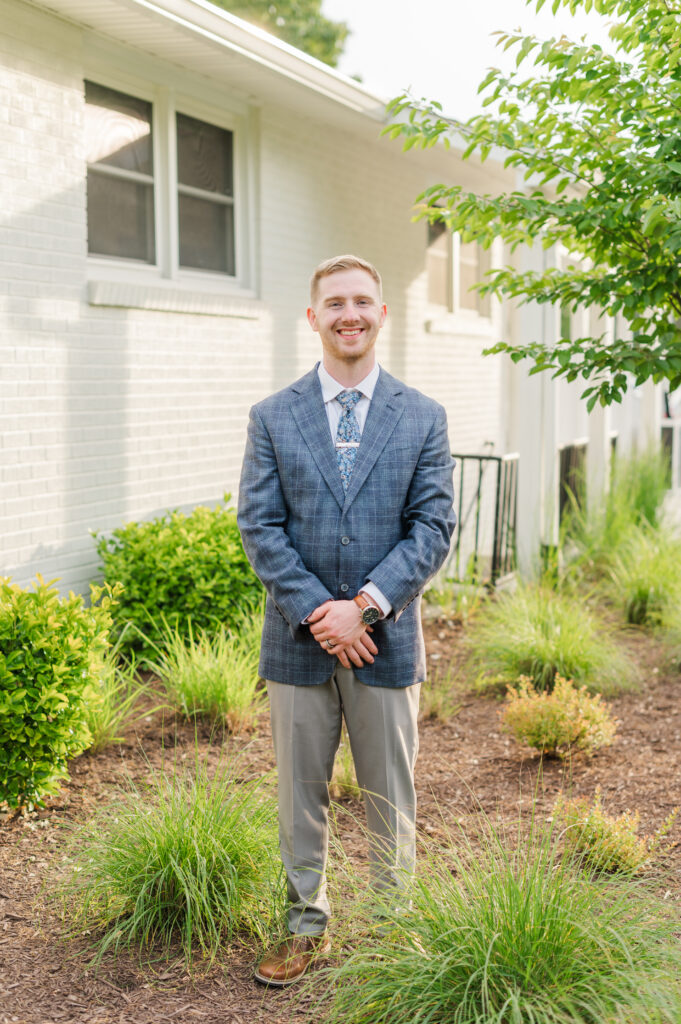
point(308, 541)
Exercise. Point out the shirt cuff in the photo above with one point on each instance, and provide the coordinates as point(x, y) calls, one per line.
point(377, 598)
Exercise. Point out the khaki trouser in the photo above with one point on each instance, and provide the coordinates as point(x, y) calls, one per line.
point(306, 727)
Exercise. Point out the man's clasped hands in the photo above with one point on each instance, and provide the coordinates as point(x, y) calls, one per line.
point(338, 628)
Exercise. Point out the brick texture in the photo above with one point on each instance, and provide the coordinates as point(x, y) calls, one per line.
point(109, 414)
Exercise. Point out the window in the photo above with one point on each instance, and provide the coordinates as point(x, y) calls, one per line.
point(160, 185)
point(452, 268)
point(120, 176)
point(439, 265)
point(205, 185)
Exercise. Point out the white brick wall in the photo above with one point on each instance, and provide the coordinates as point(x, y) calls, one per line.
point(109, 414)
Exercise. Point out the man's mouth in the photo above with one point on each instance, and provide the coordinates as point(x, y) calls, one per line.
point(350, 332)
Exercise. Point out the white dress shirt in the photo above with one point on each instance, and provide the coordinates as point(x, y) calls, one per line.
point(330, 390)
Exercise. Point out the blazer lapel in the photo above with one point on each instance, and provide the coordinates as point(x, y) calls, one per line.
point(384, 413)
point(310, 415)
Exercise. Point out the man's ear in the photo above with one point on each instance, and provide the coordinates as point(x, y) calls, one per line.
point(384, 313)
point(311, 318)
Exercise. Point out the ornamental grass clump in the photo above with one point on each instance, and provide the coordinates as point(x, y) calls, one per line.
point(439, 695)
point(497, 929)
point(190, 859)
point(542, 633)
point(213, 676)
point(634, 501)
point(606, 842)
point(114, 699)
point(646, 576)
point(566, 719)
point(50, 648)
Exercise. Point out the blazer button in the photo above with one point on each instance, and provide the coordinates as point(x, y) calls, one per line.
point(344, 587)
point(345, 540)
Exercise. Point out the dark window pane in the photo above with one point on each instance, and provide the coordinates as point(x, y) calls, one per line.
point(120, 217)
point(118, 129)
point(204, 156)
point(437, 232)
point(206, 234)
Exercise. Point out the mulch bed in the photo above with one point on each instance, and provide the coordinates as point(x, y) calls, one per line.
point(465, 765)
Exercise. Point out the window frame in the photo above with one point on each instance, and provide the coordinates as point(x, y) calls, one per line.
point(454, 307)
point(168, 284)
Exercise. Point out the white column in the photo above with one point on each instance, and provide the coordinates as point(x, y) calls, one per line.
point(600, 420)
point(533, 419)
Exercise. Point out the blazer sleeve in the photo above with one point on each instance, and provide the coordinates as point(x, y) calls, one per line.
point(262, 517)
point(429, 519)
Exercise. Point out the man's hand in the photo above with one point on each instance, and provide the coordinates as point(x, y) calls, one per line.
point(337, 621)
point(361, 652)
point(340, 623)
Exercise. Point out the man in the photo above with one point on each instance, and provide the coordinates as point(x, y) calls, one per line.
point(345, 510)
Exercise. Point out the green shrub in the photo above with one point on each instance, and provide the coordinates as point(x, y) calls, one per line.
point(541, 633)
point(605, 842)
point(192, 858)
point(556, 722)
point(178, 569)
point(646, 575)
point(496, 931)
point(214, 677)
point(48, 648)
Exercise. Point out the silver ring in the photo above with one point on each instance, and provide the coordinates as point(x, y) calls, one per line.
point(329, 644)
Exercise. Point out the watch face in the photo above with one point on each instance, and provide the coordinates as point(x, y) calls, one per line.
point(370, 615)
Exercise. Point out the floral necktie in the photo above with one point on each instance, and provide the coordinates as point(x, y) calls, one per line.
point(348, 435)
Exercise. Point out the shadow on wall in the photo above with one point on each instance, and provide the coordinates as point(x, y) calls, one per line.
point(65, 419)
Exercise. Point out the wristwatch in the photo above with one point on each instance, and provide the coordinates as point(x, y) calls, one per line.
point(370, 612)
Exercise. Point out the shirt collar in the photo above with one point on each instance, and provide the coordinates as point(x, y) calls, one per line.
point(331, 388)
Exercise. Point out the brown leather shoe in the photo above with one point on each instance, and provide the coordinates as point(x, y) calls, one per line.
point(289, 961)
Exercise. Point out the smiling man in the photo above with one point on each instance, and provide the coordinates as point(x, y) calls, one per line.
point(345, 510)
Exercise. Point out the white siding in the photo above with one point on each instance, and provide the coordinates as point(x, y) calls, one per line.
point(109, 414)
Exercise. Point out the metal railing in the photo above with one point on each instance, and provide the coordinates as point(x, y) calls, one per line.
point(486, 496)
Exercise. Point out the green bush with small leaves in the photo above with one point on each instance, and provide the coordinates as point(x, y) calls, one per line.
point(178, 570)
point(568, 718)
point(49, 647)
point(607, 842)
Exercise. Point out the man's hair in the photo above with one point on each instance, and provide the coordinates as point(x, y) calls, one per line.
point(337, 263)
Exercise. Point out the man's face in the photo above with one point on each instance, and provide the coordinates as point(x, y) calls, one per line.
point(348, 314)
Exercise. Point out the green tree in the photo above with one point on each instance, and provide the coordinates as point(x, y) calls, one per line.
point(597, 138)
point(298, 22)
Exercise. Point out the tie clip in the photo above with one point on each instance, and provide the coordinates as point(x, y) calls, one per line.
point(347, 444)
